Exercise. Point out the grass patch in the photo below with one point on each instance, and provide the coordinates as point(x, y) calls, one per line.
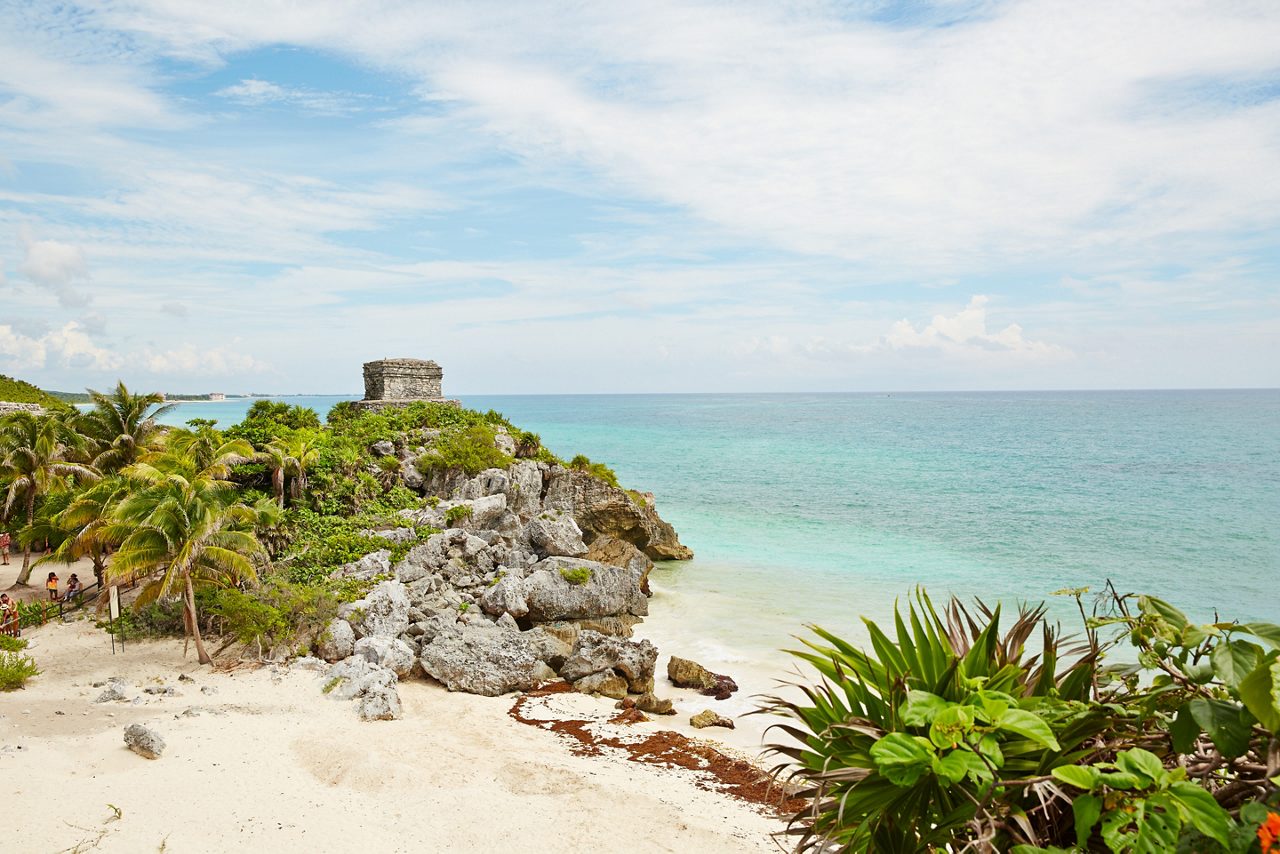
point(599, 471)
point(456, 514)
point(12, 644)
point(15, 670)
point(576, 576)
point(331, 684)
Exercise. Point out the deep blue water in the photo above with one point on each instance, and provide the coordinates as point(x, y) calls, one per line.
point(820, 507)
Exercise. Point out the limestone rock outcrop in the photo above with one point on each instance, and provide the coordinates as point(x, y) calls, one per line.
point(482, 660)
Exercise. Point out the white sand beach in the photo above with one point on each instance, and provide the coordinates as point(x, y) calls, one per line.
point(258, 758)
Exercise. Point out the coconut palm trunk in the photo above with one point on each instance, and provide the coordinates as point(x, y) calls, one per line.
point(190, 597)
point(25, 575)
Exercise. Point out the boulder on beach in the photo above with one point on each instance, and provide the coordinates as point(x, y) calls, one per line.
point(482, 659)
point(708, 718)
point(684, 673)
point(144, 741)
point(564, 588)
point(336, 641)
point(594, 653)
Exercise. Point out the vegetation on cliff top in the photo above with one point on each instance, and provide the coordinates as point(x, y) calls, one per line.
point(236, 530)
point(18, 391)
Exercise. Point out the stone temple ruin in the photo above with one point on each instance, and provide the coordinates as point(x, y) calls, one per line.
point(400, 382)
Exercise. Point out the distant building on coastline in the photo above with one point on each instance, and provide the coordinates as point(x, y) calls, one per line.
point(217, 395)
point(399, 382)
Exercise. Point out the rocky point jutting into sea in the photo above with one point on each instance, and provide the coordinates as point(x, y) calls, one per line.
point(539, 572)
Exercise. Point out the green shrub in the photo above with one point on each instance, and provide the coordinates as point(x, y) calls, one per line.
point(953, 735)
point(457, 513)
point(269, 419)
point(160, 619)
point(471, 450)
point(15, 670)
point(577, 575)
point(278, 613)
point(12, 644)
point(599, 471)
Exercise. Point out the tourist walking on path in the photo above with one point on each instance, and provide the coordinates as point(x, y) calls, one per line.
point(9, 616)
point(51, 584)
point(5, 540)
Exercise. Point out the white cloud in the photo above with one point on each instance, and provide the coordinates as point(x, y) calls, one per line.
point(49, 262)
point(189, 360)
point(253, 92)
point(71, 347)
point(66, 347)
point(967, 330)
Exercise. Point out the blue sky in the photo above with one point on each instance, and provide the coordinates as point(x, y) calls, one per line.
point(576, 197)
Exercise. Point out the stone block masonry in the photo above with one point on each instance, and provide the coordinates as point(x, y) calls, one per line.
point(399, 382)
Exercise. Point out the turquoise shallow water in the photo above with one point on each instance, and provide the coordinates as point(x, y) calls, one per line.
point(822, 507)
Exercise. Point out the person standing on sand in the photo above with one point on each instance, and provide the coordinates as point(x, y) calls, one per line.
point(5, 539)
point(9, 616)
point(51, 584)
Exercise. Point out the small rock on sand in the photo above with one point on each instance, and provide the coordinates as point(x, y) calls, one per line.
point(708, 718)
point(143, 741)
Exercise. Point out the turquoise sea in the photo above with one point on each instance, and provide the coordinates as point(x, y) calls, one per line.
point(821, 507)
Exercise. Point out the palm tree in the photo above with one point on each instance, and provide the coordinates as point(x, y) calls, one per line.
point(304, 450)
point(291, 457)
point(123, 424)
point(36, 460)
point(184, 530)
point(84, 523)
point(276, 459)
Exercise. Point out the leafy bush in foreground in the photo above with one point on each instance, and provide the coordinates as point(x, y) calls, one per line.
point(952, 735)
point(12, 644)
point(15, 670)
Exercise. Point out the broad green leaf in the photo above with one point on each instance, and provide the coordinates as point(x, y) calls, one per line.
point(1081, 776)
point(902, 758)
point(1233, 660)
point(1260, 691)
point(921, 708)
point(1184, 730)
point(1268, 632)
point(1142, 764)
point(951, 725)
point(989, 747)
point(994, 703)
point(1119, 780)
point(1159, 825)
point(1193, 635)
point(956, 765)
point(1087, 809)
point(1028, 725)
point(1161, 608)
point(1225, 724)
point(1204, 812)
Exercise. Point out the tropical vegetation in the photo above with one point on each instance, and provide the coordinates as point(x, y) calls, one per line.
point(1149, 732)
point(234, 531)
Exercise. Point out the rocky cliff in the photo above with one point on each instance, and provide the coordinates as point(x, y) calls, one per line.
point(540, 572)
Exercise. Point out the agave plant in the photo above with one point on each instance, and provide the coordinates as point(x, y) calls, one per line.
point(945, 735)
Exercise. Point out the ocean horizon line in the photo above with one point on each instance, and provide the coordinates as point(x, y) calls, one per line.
point(791, 393)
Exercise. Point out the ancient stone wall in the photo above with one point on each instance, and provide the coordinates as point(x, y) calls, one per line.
point(399, 382)
point(402, 379)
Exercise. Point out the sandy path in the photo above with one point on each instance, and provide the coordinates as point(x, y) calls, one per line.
point(283, 768)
